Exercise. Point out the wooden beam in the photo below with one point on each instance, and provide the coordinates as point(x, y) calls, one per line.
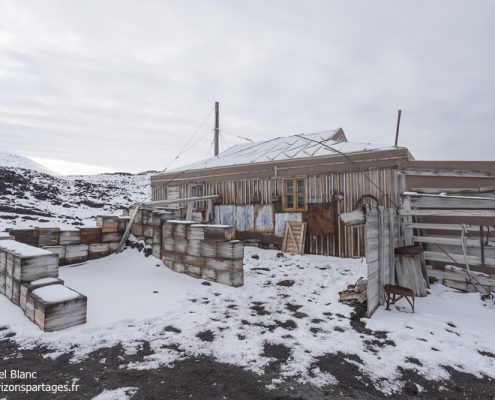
point(435, 201)
point(128, 229)
point(449, 213)
point(444, 227)
point(446, 240)
point(485, 190)
point(459, 258)
point(448, 172)
point(177, 201)
point(459, 276)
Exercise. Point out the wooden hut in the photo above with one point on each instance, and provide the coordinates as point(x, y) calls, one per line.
point(309, 178)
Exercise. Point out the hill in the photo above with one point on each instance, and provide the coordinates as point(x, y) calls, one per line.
point(31, 196)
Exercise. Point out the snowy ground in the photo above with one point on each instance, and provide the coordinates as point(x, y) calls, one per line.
point(288, 303)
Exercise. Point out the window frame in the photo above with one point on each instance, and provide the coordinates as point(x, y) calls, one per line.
point(294, 180)
point(201, 204)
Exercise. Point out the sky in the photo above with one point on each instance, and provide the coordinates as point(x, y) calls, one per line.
point(88, 86)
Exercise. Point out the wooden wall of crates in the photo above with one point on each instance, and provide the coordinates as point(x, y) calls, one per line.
point(78, 245)
point(202, 251)
point(328, 194)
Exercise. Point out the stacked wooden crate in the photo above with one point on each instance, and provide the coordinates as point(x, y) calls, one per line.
point(57, 307)
point(158, 218)
point(29, 279)
point(20, 263)
point(203, 251)
point(77, 245)
point(147, 226)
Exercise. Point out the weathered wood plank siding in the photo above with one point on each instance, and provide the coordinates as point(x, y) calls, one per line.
point(344, 189)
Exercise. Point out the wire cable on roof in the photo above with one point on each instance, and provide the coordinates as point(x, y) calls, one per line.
point(211, 146)
point(350, 160)
point(185, 147)
point(237, 136)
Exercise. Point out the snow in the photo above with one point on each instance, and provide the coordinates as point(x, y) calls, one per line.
point(124, 393)
point(456, 324)
point(44, 281)
point(286, 300)
point(16, 161)
point(284, 148)
point(55, 293)
point(127, 286)
point(21, 249)
point(211, 226)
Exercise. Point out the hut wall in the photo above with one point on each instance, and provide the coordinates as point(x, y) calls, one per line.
point(253, 205)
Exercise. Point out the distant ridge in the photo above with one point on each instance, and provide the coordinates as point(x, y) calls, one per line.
point(10, 160)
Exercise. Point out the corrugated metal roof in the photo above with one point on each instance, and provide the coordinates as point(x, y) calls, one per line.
point(317, 144)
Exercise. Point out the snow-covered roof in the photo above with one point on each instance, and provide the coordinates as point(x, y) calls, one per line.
point(325, 143)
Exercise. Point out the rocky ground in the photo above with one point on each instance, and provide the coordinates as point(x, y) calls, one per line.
point(284, 335)
point(104, 371)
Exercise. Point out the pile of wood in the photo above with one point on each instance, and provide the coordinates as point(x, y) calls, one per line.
point(355, 294)
point(203, 251)
point(410, 269)
point(25, 273)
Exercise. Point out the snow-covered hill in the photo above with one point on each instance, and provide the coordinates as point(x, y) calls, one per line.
point(29, 196)
point(15, 161)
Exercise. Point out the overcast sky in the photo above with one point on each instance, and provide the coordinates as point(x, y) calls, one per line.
point(96, 85)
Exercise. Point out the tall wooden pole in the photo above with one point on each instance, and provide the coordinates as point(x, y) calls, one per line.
point(217, 128)
point(397, 129)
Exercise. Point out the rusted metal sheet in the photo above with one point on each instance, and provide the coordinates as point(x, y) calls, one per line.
point(320, 218)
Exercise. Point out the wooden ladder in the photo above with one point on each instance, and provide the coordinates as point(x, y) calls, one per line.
point(294, 237)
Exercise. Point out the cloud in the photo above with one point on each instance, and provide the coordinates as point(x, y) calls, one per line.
point(124, 85)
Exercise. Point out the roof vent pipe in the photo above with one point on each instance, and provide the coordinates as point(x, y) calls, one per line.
point(397, 129)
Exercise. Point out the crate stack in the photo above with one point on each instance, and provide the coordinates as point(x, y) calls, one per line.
point(203, 251)
point(77, 245)
point(147, 226)
point(29, 279)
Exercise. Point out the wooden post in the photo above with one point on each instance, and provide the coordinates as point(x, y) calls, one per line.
point(189, 211)
point(381, 252)
point(209, 210)
point(217, 128)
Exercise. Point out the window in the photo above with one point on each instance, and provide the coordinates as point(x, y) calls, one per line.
point(294, 194)
point(197, 191)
